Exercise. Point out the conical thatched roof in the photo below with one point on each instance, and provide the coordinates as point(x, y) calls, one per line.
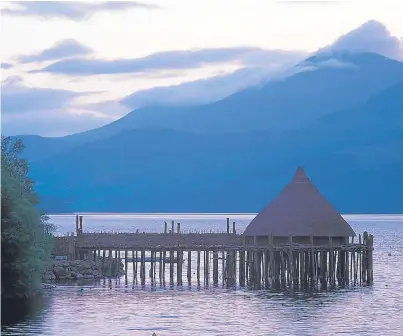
point(299, 210)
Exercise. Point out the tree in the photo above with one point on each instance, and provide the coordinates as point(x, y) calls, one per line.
point(26, 235)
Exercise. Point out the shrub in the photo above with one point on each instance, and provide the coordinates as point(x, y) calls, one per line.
point(26, 235)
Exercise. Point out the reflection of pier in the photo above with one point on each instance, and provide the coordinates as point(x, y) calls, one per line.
point(299, 239)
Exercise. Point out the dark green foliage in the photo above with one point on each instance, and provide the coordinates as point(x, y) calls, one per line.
point(26, 240)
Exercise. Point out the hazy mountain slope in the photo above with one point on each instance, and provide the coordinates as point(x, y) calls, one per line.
point(354, 156)
point(321, 85)
point(340, 81)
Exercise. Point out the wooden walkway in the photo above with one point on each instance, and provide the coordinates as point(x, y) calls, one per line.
point(152, 241)
point(209, 257)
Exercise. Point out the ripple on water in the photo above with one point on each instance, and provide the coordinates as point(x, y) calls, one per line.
point(114, 309)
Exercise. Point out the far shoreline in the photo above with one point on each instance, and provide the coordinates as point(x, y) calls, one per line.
point(195, 213)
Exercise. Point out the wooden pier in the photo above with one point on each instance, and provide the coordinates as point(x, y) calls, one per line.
point(298, 241)
point(225, 259)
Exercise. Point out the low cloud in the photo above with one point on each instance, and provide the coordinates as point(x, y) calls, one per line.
point(17, 98)
point(70, 9)
point(50, 112)
point(63, 49)
point(6, 65)
point(168, 60)
point(52, 122)
point(204, 90)
point(372, 36)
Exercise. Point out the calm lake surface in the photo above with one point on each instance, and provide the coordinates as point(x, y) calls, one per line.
point(117, 307)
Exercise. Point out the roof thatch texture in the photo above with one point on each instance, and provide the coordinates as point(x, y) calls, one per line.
point(299, 210)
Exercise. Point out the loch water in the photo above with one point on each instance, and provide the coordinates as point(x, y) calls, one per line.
point(120, 307)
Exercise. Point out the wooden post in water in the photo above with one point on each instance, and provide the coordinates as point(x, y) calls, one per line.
point(206, 266)
point(160, 266)
point(331, 263)
point(371, 259)
point(215, 268)
point(152, 265)
point(164, 256)
point(312, 259)
point(143, 267)
point(271, 257)
point(126, 263)
point(179, 260)
point(223, 267)
point(198, 268)
point(134, 265)
point(109, 266)
point(360, 258)
point(117, 262)
point(189, 270)
point(242, 268)
point(234, 259)
point(171, 267)
point(228, 266)
point(290, 263)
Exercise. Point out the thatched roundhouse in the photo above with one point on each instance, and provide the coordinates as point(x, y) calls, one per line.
point(300, 211)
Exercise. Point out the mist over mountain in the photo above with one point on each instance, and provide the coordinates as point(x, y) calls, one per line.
point(338, 113)
point(161, 170)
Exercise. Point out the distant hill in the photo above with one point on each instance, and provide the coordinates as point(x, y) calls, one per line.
point(321, 85)
point(353, 155)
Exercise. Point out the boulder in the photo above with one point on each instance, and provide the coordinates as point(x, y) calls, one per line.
point(59, 272)
point(88, 276)
point(49, 275)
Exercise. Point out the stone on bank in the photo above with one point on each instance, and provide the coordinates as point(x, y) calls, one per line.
point(76, 270)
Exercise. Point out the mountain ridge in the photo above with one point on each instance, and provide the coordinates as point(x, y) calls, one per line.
point(167, 170)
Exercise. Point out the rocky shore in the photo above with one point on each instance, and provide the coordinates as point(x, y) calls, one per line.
point(77, 269)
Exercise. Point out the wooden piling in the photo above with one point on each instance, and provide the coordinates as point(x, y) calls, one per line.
point(160, 266)
point(134, 261)
point(143, 266)
point(164, 256)
point(126, 263)
point(290, 262)
point(152, 265)
point(171, 267)
point(189, 270)
point(198, 268)
point(215, 268)
point(179, 261)
point(223, 270)
point(241, 268)
point(207, 266)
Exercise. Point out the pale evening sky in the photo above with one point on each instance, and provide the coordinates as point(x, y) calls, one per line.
point(70, 66)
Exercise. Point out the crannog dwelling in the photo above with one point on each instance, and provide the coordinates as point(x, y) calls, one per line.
point(301, 212)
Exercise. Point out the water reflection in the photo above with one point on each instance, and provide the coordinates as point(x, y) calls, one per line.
point(24, 310)
point(122, 307)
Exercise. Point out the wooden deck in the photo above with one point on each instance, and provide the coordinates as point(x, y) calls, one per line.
point(152, 241)
point(260, 263)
